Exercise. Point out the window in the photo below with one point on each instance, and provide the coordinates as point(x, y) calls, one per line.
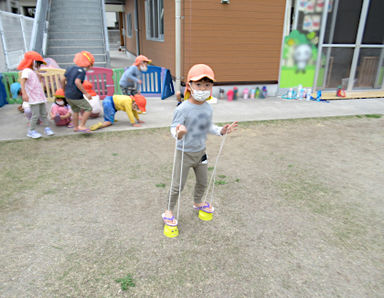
point(129, 24)
point(154, 19)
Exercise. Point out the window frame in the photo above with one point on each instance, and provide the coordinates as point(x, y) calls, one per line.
point(129, 25)
point(154, 20)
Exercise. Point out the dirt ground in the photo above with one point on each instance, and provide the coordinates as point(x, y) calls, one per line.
point(299, 213)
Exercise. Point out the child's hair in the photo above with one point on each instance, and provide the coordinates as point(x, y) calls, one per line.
point(205, 79)
point(63, 99)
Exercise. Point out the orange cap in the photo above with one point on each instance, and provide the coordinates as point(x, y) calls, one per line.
point(196, 73)
point(141, 102)
point(60, 93)
point(84, 59)
point(28, 59)
point(89, 88)
point(141, 58)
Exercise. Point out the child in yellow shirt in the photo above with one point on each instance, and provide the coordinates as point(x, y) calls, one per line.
point(132, 105)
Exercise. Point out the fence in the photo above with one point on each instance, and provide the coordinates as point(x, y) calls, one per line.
point(156, 82)
point(52, 81)
point(102, 81)
point(15, 31)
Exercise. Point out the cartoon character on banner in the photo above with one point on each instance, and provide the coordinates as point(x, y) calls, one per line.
point(302, 54)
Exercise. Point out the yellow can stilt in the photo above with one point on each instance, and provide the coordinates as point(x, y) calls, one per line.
point(171, 232)
point(205, 215)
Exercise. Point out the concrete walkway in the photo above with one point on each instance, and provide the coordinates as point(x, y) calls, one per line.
point(13, 124)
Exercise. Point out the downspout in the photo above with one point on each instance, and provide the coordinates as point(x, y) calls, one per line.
point(137, 28)
point(178, 44)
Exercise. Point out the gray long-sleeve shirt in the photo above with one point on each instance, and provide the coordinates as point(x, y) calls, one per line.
point(130, 77)
point(198, 121)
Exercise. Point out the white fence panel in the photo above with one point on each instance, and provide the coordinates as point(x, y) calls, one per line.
point(15, 31)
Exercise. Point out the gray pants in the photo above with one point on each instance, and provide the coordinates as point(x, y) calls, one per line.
point(131, 91)
point(191, 160)
point(38, 111)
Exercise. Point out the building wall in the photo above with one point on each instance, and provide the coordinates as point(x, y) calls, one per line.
point(162, 53)
point(241, 40)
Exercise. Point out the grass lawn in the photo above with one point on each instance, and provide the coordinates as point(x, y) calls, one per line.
point(299, 213)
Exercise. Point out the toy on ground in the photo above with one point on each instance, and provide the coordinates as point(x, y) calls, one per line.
point(245, 93)
point(235, 93)
point(308, 94)
point(252, 95)
point(318, 97)
point(230, 95)
point(221, 93)
point(264, 91)
point(257, 92)
point(291, 94)
point(340, 92)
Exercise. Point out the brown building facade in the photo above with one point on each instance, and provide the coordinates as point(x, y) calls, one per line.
point(240, 40)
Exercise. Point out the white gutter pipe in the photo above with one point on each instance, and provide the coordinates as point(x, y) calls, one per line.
point(178, 44)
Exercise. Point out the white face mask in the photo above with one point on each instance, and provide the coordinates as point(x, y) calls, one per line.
point(60, 102)
point(143, 68)
point(201, 95)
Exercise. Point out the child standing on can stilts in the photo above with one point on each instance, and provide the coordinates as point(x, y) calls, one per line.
point(192, 121)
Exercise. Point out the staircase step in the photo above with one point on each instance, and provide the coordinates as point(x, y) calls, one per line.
point(69, 58)
point(97, 64)
point(57, 13)
point(75, 4)
point(75, 42)
point(74, 49)
point(74, 21)
point(75, 35)
point(77, 28)
point(74, 26)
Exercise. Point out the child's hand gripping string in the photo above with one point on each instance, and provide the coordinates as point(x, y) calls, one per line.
point(181, 130)
point(228, 128)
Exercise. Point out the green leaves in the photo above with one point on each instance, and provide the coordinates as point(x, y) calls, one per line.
point(126, 282)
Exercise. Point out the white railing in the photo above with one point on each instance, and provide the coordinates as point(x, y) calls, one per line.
point(15, 31)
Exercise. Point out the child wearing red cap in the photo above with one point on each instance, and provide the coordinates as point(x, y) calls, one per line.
point(192, 121)
point(61, 111)
point(131, 77)
point(33, 92)
point(72, 83)
point(132, 105)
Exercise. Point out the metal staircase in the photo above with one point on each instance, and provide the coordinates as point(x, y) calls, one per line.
point(74, 26)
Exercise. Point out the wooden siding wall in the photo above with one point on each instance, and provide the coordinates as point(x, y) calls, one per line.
point(241, 40)
point(130, 42)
